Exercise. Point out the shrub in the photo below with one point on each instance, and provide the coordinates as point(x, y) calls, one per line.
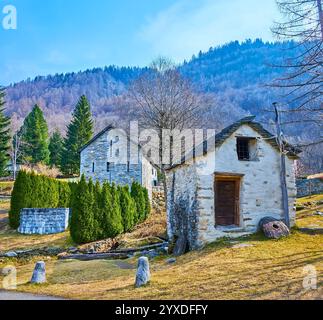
point(128, 208)
point(147, 203)
point(138, 195)
point(82, 221)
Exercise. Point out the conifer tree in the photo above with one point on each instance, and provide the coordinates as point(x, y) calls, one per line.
point(4, 136)
point(116, 218)
point(79, 132)
point(35, 137)
point(55, 149)
point(106, 211)
point(82, 221)
point(138, 195)
point(147, 203)
point(97, 212)
point(19, 198)
point(128, 208)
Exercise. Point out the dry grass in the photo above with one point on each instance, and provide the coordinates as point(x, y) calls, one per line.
point(6, 187)
point(267, 270)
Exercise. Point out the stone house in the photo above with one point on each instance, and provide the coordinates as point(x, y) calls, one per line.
point(230, 187)
point(111, 156)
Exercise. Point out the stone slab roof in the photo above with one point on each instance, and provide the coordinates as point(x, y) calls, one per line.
point(221, 137)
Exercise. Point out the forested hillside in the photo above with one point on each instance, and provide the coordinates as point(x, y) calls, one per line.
point(236, 74)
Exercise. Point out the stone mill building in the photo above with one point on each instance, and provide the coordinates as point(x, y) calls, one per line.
point(231, 186)
point(111, 156)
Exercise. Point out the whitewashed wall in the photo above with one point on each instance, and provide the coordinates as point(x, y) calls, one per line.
point(260, 193)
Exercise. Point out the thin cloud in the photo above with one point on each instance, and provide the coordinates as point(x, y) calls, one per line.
point(187, 26)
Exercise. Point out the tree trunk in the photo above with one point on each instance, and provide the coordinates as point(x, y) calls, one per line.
point(320, 12)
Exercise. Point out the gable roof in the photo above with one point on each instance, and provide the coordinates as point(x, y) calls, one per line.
point(221, 137)
point(100, 134)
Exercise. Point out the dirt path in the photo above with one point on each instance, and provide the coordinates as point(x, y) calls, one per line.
point(12, 295)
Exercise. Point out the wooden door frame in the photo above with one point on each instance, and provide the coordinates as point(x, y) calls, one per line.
point(237, 178)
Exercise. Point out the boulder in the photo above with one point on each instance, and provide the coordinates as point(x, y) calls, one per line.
point(143, 272)
point(11, 254)
point(171, 260)
point(273, 228)
point(39, 274)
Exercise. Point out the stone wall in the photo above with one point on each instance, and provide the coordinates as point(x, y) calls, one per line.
point(308, 187)
point(100, 162)
point(43, 221)
point(158, 200)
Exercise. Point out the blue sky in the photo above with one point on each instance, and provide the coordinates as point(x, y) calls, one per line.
point(55, 36)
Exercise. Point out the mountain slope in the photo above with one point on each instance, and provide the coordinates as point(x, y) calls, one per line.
point(235, 72)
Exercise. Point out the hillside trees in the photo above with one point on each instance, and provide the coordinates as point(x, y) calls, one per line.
point(55, 149)
point(79, 132)
point(4, 136)
point(34, 134)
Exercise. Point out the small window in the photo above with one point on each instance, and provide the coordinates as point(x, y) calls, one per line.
point(243, 149)
point(117, 153)
point(128, 166)
point(108, 166)
point(93, 167)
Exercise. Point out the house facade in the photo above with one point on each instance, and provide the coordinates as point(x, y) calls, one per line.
point(110, 156)
point(227, 190)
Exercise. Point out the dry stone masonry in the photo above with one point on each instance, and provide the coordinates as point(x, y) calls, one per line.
point(44, 221)
point(308, 187)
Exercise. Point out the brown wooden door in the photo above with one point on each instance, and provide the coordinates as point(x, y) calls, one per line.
point(226, 206)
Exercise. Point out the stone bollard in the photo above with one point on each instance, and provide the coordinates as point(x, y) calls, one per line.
point(143, 272)
point(39, 274)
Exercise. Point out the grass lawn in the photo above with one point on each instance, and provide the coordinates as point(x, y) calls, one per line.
point(269, 269)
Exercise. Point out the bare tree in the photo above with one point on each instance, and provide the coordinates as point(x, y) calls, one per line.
point(16, 151)
point(165, 100)
point(303, 82)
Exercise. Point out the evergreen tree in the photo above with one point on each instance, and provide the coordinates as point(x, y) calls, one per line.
point(4, 136)
point(138, 195)
point(79, 132)
point(55, 149)
point(82, 221)
point(116, 218)
point(147, 203)
point(35, 137)
point(106, 209)
point(97, 211)
point(128, 208)
point(20, 198)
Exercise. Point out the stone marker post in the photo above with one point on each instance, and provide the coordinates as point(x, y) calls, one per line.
point(39, 274)
point(143, 272)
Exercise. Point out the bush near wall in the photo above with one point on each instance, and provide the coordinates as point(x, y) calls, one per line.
point(36, 191)
point(97, 212)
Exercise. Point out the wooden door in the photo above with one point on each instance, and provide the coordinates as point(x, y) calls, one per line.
point(227, 202)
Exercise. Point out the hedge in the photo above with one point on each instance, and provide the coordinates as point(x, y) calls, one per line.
point(97, 212)
point(35, 191)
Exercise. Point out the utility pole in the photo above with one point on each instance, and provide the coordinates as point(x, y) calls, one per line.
point(280, 141)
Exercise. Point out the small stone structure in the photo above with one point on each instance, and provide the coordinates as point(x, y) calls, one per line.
point(231, 182)
point(308, 187)
point(107, 158)
point(39, 274)
point(43, 221)
point(143, 272)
